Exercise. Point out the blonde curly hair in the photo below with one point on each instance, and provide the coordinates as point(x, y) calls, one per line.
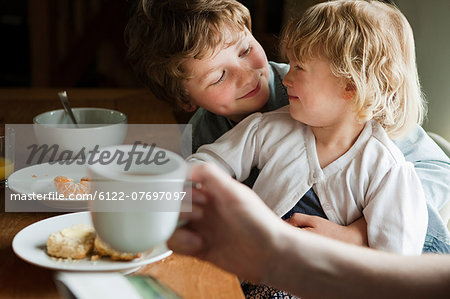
point(371, 43)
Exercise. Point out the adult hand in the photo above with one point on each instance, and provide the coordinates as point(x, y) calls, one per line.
point(229, 226)
point(355, 233)
point(232, 228)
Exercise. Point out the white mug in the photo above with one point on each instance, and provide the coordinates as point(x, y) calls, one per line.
point(137, 195)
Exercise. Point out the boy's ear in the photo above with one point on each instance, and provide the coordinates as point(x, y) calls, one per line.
point(188, 107)
point(350, 91)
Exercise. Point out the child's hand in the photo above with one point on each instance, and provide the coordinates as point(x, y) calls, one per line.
point(355, 233)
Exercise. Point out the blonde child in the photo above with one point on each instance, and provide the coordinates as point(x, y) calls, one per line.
point(352, 84)
point(168, 39)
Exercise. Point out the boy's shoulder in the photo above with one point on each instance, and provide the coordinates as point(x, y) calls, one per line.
point(206, 120)
point(278, 95)
point(281, 68)
point(207, 127)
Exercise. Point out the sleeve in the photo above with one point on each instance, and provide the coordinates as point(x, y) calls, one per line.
point(396, 211)
point(236, 151)
point(431, 164)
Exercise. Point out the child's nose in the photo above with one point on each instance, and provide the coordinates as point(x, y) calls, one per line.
point(287, 81)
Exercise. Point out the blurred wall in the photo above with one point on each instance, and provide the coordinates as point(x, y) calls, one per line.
point(431, 25)
point(56, 43)
point(14, 52)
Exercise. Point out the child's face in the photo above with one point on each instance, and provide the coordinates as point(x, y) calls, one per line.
point(316, 96)
point(234, 82)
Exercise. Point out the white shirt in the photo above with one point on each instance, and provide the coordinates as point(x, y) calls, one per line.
point(372, 179)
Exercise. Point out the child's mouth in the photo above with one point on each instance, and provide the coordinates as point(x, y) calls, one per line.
point(253, 92)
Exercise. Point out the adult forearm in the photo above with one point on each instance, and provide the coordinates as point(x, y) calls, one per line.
point(313, 267)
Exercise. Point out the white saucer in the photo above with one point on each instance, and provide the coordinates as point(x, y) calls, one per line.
point(30, 245)
point(38, 179)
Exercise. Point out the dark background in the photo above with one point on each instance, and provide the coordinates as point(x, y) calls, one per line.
point(79, 43)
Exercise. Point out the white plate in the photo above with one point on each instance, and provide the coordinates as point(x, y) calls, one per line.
point(30, 245)
point(38, 179)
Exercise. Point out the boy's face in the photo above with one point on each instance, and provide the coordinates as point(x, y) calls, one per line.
point(233, 82)
point(316, 96)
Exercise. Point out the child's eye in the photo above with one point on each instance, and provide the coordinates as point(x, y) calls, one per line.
point(220, 79)
point(297, 67)
point(247, 51)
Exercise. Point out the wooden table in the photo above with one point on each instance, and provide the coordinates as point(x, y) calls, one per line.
point(19, 106)
point(189, 277)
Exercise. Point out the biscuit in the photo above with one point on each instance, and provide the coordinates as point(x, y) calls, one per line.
point(104, 249)
point(74, 242)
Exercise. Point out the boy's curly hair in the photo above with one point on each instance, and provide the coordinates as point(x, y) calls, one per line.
point(371, 43)
point(162, 34)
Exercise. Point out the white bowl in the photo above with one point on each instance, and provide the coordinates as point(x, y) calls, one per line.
point(97, 127)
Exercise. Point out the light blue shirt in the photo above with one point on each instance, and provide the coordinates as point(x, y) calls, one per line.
point(430, 163)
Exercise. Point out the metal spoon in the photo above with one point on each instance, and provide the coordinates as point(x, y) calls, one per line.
point(65, 102)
